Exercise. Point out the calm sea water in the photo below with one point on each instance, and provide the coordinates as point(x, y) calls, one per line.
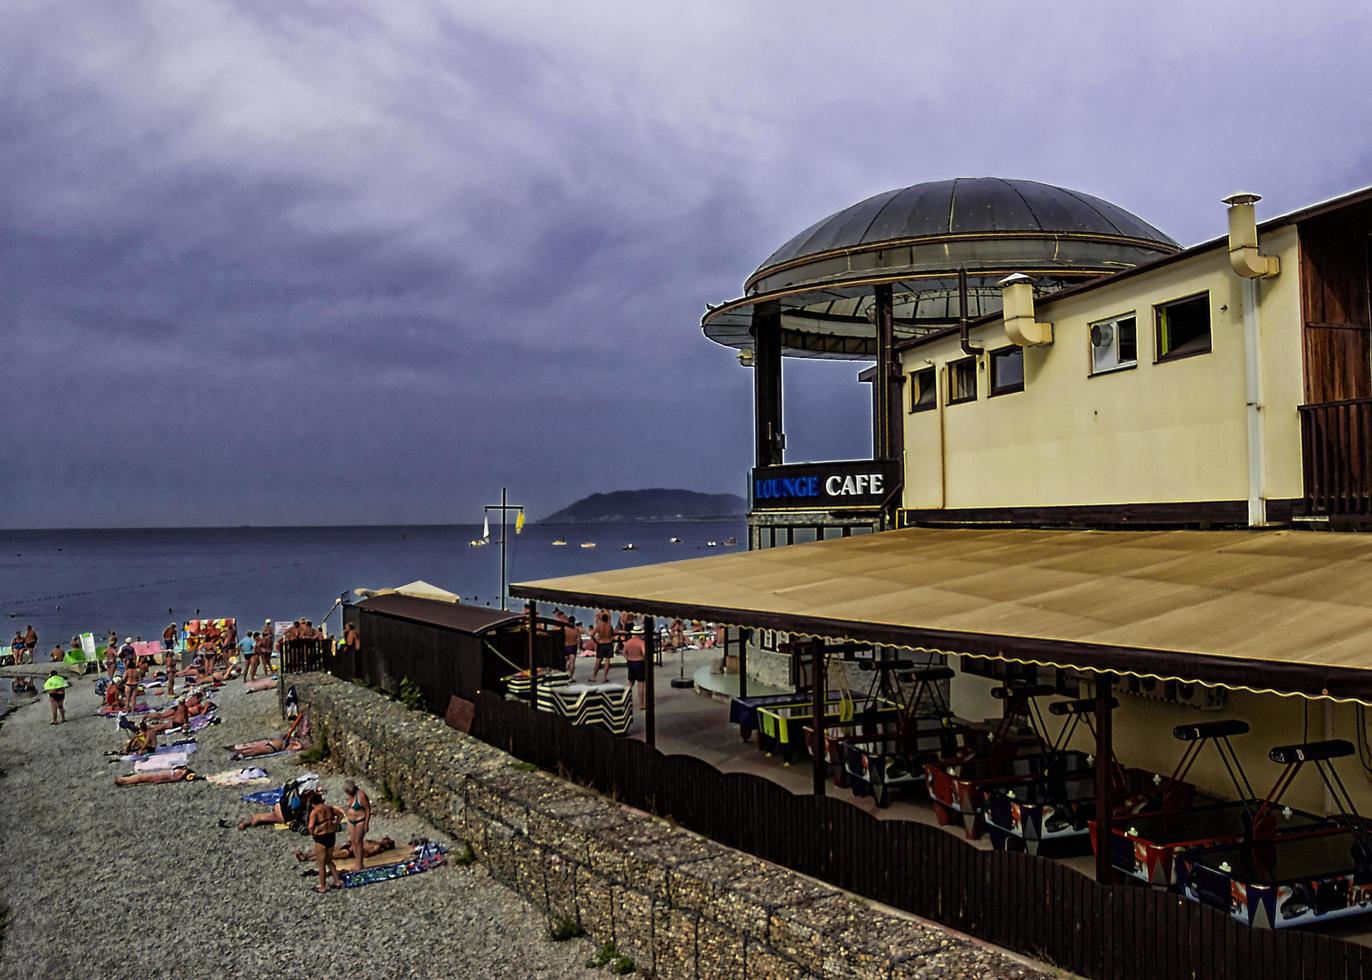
point(135, 582)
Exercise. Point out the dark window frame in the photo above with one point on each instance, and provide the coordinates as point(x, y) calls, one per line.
point(993, 389)
point(1159, 356)
point(973, 360)
point(915, 406)
point(1124, 366)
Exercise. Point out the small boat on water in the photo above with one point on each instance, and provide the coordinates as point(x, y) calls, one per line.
point(712, 544)
point(478, 543)
point(674, 540)
point(730, 542)
point(629, 547)
point(588, 544)
point(559, 542)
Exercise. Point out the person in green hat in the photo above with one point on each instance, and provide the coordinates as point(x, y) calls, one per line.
point(56, 687)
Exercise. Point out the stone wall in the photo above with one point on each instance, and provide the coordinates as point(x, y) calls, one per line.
point(679, 904)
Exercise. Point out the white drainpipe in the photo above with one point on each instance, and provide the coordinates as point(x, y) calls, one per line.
point(1249, 263)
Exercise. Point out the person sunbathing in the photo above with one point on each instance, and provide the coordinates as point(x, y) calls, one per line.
point(293, 807)
point(344, 852)
point(114, 692)
point(264, 746)
point(143, 741)
point(180, 774)
point(174, 717)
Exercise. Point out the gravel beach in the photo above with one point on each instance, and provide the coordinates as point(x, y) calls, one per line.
point(107, 881)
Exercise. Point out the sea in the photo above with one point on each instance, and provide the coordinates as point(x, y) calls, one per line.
point(134, 582)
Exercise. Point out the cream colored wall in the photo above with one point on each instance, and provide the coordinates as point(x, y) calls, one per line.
point(1143, 738)
point(1156, 433)
point(1283, 374)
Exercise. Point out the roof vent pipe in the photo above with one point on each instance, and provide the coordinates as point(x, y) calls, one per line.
point(1243, 239)
point(1017, 309)
point(967, 346)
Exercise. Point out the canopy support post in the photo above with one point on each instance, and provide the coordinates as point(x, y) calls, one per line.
point(1105, 759)
point(649, 692)
point(744, 635)
point(769, 441)
point(817, 702)
point(532, 647)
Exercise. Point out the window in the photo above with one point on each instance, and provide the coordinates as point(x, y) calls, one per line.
point(962, 380)
point(1183, 327)
point(1114, 344)
point(923, 390)
point(1007, 370)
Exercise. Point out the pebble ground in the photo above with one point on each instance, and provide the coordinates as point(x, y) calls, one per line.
point(141, 881)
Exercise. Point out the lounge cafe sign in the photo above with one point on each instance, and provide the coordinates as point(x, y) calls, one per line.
point(863, 484)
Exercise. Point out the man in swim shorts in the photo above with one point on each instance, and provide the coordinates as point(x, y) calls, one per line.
point(571, 642)
point(604, 635)
point(635, 652)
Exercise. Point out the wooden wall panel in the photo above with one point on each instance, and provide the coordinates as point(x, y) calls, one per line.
point(1335, 305)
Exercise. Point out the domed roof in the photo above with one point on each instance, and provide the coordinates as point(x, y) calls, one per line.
point(961, 206)
point(919, 242)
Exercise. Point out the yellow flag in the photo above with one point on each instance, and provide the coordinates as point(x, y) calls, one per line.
point(519, 522)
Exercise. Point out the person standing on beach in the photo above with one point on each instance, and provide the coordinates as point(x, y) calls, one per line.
point(604, 635)
point(635, 652)
point(359, 816)
point(169, 638)
point(132, 676)
point(571, 643)
point(171, 658)
point(56, 688)
point(31, 642)
point(322, 824)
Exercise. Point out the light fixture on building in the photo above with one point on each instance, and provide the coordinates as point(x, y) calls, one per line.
point(745, 357)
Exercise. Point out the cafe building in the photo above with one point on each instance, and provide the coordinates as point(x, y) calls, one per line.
point(1123, 474)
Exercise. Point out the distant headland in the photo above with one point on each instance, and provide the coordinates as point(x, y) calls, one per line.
point(657, 504)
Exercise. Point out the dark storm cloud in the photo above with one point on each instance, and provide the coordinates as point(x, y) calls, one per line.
point(310, 262)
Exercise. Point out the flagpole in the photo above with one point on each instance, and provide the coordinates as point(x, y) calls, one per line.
point(503, 588)
point(504, 507)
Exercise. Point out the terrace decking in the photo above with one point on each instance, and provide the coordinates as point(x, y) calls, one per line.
point(696, 723)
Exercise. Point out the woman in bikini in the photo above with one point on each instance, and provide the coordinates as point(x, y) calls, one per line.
point(264, 746)
point(359, 815)
point(323, 827)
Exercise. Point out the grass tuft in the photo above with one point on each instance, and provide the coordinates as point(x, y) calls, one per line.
point(563, 928)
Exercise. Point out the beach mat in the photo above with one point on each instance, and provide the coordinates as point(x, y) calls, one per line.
point(423, 858)
point(265, 797)
point(396, 855)
point(238, 777)
point(171, 760)
point(185, 746)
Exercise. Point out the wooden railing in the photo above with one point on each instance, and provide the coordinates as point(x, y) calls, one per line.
point(1026, 903)
point(1336, 450)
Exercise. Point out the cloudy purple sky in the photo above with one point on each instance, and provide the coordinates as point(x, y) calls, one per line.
point(330, 262)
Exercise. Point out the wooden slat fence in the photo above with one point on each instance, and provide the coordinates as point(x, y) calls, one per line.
point(1032, 905)
point(1336, 453)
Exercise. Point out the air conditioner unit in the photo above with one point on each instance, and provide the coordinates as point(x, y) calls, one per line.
point(1175, 692)
point(1103, 336)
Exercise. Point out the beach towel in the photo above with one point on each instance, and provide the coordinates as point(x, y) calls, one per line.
point(425, 857)
point(107, 712)
point(236, 757)
point(184, 747)
point(264, 797)
point(239, 777)
point(171, 760)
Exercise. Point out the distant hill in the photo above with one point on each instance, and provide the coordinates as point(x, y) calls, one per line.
point(657, 504)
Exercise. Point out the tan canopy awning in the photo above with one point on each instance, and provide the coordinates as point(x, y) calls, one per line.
point(1282, 611)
